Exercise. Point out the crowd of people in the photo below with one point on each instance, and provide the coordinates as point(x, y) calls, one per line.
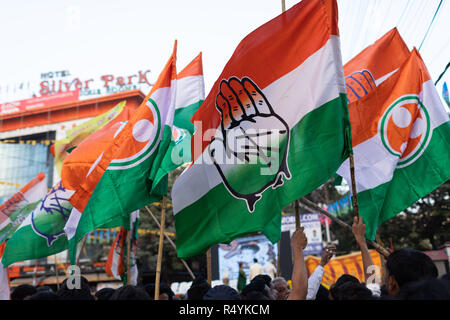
point(409, 275)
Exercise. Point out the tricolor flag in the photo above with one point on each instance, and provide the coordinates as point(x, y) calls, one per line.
point(16, 208)
point(116, 264)
point(401, 139)
point(274, 127)
point(41, 234)
point(74, 136)
point(4, 278)
point(115, 167)
point(374, 64)
point(189, 96)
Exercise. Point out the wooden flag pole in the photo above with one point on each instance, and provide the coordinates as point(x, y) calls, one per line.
point(160, 249)
point(208, 266)
point(283, 6)
point(171, 243)
point(352, 176)
point(79, 252)
point(297, 214)
point(312, 206)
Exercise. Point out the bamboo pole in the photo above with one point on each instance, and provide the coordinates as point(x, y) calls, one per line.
point(208, 266)
point(297, 214)
point(312, 206)
point(352, 176)
point(160, 249)
point(171, 243)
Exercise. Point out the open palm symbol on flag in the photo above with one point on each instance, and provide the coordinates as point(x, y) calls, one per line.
point(250, 152)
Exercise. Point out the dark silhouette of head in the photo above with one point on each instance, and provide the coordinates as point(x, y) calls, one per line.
point(165, 292)
point(23, 291)
point(322, 293)
point(82, 293)
point(352, 291)
point(255, 260)
point(406, 265)
point(198, 289)
point(130, 292)
point(222, 292)
point(432, 289)
point(263, 277)
point(104, 293)
point(259, 285)
point(345, 278)
point(44, 295)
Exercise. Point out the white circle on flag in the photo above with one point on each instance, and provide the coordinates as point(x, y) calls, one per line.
point(401, 117)
point(143, 130)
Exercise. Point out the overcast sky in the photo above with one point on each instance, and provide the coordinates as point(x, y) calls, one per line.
point(96, 37)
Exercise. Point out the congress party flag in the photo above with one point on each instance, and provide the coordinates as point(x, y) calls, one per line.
point(374, 64)
point(41, 234)
point(273, 128)
point(15, 209)
point(75, 135)
point(112, 171)
point(401, 139)
point(189, 96)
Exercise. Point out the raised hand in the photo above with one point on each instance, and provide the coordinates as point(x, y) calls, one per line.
point(252, 135)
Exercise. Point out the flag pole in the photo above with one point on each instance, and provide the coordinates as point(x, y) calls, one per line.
point(208, 266)
point(283, 6)
point(160, 249)
point(171, 242)
point(352, 176)
point(311, 205)
point(56, 273)
point(297, 214)
point(82, 246)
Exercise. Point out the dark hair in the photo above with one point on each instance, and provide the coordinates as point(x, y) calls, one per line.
point(198, 289)
point(446, 276)
point(255, 260)
point(258, 284)
point(222, 292)
point(130, 292)
point(352, 291)
point(407, 265)
point(104, 293)
point(23, 291)
point(83, 293)
point(345, 278)
point(264, 278)
point(43, 288)
point(322, 293)
point(44, 295)
point(164, 288)
point(432, 289)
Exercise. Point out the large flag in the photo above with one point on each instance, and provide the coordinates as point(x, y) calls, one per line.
point(401, 139)
point(374, 64)
point(189, 96)
point(16, 208)
point(115, 168)
point(4, 278)
point(41, 234)
point(274, 127)
point(116, 264)
point(75, 135)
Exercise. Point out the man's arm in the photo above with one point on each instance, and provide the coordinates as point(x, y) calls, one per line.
point(299, 274)
point(359, 231)
point(316, 277)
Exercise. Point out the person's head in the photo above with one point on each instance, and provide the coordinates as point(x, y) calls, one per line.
point(264, 278)
point(130, 292)
point(255, 260)
point(432, 289)
point(165, 292)
point(44, 295)
point(241, 265)
point(406, 265)
point(222, 292)
point(281, 288)
point(345, 278)
point(352, 291)
point(23, 291)
point(66, 292)
point(255, 295)
point(198, 289)
point(260, 285)
point(104, 293)
point(43, 288)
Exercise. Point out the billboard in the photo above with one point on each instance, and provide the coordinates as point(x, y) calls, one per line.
point(244, 250)
point(313, 231)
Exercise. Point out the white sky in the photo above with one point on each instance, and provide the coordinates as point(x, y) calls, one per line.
point(97, 37)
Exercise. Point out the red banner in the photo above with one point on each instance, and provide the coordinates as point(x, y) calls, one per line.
point(39, 102)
